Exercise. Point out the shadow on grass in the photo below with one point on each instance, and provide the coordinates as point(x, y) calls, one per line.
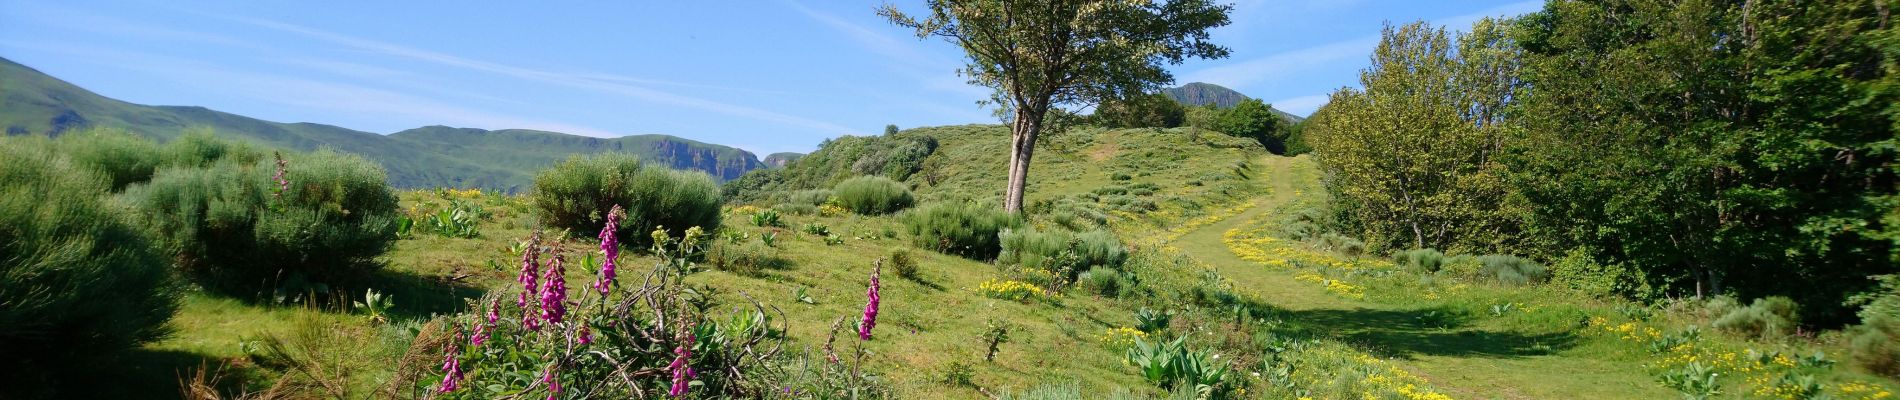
point(1427, 331)
point(154, 374)
point(417, 296)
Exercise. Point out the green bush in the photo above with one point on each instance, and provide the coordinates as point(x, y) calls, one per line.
point(873, 195)
point(959, 228)
point(1103, 281)
point(79, 284)
point(795, 209)
point(573, 195)
point(1423, 261)
point(202, 148)
point(814, 197)
point(749, 258)
point(905, 265)
point(1061, 252)
point(1513, 270)
point(1343, 244)
point(767, 218)
point(1874, 344)
point(1767, 318)
point(228, 227)
point(122, 157)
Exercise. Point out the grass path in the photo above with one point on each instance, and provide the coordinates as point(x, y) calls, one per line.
point(1462, 361)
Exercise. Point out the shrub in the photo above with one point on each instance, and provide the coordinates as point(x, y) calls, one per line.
point(79, 283)
point(573, 195)
point(1118, 176)
point(905, 265)
point(1767, 318)
point(122, 157)
point(813, 197)
point(1103, 281)
point(1423, 261)
point(747, 258)
point(1513, 270)
point(872, 195)
point(795, 208)
point(1343, 244)
point(233, 229)
point(201, 148)
point(1061, 252)
point(959, 228)
point(1874, 344)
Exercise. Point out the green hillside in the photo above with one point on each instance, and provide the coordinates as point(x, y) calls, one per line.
point(32, 102)
point(1201, 94)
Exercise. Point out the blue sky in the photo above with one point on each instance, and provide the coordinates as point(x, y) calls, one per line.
point(766, 75)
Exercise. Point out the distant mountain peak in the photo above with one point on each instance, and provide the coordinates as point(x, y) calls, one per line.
point(435, 155)
point(1203, 93)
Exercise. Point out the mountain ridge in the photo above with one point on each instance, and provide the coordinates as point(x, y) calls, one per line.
point(1203, 93)
point(33, 102)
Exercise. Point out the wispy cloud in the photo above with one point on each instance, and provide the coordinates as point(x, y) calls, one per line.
point(605, 83)
point(931, 71)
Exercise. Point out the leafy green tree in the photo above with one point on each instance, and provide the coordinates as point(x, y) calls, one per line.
point(1724, 147)
point(1043, 55)
point(1410, 158)
point(1153, 110)
point(1255, 120)
point(890, 130)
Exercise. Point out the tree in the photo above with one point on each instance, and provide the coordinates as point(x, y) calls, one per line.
point(1724, 147)
point(1043, 55)
point(890, 130)
point(1410, 159)
point(1253, 119)
point(1153, 110)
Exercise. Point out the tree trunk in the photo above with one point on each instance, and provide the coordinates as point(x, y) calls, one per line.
point(1022, 144)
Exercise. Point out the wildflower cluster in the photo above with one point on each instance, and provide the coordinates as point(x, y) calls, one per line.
point(832, 210)
point(1010, 290)
point(609, 251)
point(1678, 358)
point(1121, 338)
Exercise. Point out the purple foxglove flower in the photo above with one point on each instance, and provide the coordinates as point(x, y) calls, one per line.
point(682, 371)
point(554, 383)
point(554, 292)
point(529, 264)
point(609, 250)
point(585, 336)
point(452, 365)
point(870, 307)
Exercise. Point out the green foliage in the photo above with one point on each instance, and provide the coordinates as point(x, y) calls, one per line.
point(1767, 318)
point(873, 195)
point(80, 284)
point(229, 228)
point(747, 258)
point(816, 228)
point(1419, 260)
point(1578, 271)
point(1512, 270)
point(1875, 343)
point(1142, 111)
point(767, 218)
point(458, 220)
point(1064, 253)
point(836, 160)
point(573, 194)
point(905, 265)
point(1152, 322)
point(121, 156)
point(814, 197)
point(1255, 120)
point(794, 209)
point(959, 228)
point(1716, 146)
point(1170, 364)
point(1103, 281)
point(1409, 159)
